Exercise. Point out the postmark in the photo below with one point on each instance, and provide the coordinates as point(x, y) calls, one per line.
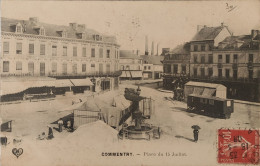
point(238, 146)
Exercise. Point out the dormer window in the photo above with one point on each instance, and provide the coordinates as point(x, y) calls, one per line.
point(81, 35)
point(42, 31)
point(97, 37)
point(19, 28)
point(64, 34)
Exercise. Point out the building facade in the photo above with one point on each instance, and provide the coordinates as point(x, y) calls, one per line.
point(130, 65)
point(38, 49)
point(152, 66)
point(216, 56)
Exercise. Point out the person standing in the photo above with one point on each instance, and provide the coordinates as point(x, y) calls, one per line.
point(196, 135)
point(50, 133)
point(60, 123)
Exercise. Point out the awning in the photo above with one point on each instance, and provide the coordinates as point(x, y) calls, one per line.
point(81, 82)
point(11, 87)
point(125, 74)
point(62, 83)
point(136, 74)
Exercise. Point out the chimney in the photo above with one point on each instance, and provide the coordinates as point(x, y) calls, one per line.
point(82, 27)
point(146, 45)
point(152, 51)
point(73, 26)
point(157, 49)
point(33, 20)
point(222, 24)
point(254, 33)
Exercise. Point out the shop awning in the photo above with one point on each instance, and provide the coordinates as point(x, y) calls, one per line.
point(62, 83)
point(81, 82)
point(125, 74)
point(136, 74)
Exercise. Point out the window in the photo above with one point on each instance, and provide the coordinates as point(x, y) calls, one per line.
point(54, 67)
point(54, 50)
point(64, 51)
point(122, 67)
point(74, 51)
point(219, 58)
point(195, 59)
point(31, 68)
point(93, 52)
point(127, 67)
point(175, 69)
point(101, 53)
point(64, 34)
point(219, 73)
point(211, 102)
point(42, 49)
point(5, 66)
point(74, 69)
point(195, 72)
point(235, 74)
point(235, 58)
point(149, 67)
point(203, 48)
point(101, 68)
point(250, 74)
point(108, 53)
point(6, 47)
point(84, 52)
point(19, 48)
point(19, 66)
point(64, 68)
point(195, 47)
point(227, 58)
point(84, 67)
point(92, 65)
point(108, 68)
point(251, 58)
point(19, 28)
point(145, 67)
point(31, 48)
point(42, 69)
point(210, 58)
point(210, 72)
point(227, 73)
point(202, 72)
point(202, 58)
point(183, 69)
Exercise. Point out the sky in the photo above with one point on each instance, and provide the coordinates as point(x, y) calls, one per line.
point(168, 23)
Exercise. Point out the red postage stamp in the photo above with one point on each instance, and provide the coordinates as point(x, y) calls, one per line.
point(238, 146)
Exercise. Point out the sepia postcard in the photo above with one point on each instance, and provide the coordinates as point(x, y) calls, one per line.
point(130, 83)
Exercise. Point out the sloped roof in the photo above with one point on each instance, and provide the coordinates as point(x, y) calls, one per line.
point(181, 49)
point(203, 84)
point(51, 30)
point(152, 59)
point(231, 41)
point(128, 54)
point(208, 33)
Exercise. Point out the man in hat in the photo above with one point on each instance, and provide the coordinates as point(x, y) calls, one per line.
point(60, 124)
point(196, 134)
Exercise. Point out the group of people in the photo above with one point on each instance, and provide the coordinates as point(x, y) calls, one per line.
point(50, 135)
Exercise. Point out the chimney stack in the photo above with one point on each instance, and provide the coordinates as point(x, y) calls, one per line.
point(254, 33)
point(33, 20)
point(73, 26)
point(146, 45)
point(157, 49)
point(152, 51)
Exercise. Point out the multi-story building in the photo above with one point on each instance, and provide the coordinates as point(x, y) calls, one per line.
point(176, 66)
point(152, 66)
point(33, 48)
point(130, 65)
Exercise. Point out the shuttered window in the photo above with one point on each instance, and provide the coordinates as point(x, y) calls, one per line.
point(108, 53)
point(64, 68)
point(54, 50)
point(18, 65)
point(101, 53)
point(6, 47)
point(84, 67)
point(5, 66)
point(74, 69)
point(92, 52)
point(64, 51)
point(54, 67)
point(74, 51)
point(31, 48)
point(19, 48)
point(84, 52)
point(108, 68)
point(42, 49)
